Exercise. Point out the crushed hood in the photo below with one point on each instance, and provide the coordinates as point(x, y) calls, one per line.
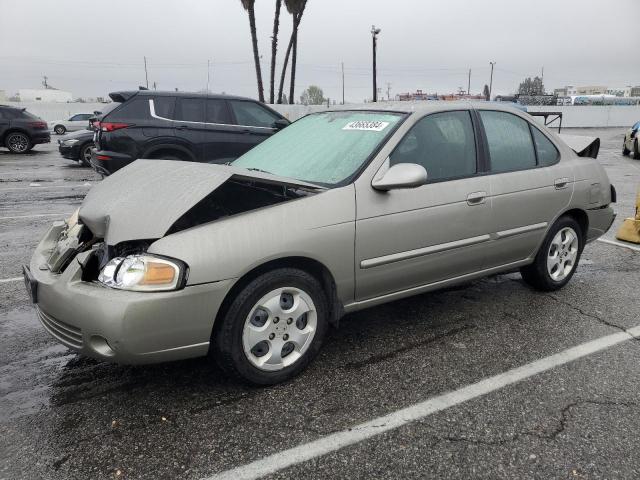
point(144, 199)
point(583, 146)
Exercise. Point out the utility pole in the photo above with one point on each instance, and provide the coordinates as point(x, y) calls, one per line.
point(146, 75)
point(208, 76)
point(374, 36)
point(469, 84)
point(491, 80)
point(46, 85)
point(388, 91)
point(342, 83)
point(542, 80)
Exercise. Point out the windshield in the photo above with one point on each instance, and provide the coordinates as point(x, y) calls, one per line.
point(323, 148)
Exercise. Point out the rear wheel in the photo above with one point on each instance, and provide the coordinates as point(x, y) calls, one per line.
point(18, 142)
point(636, 150)
point(557, 259)
point(60, 129)
point(273, 328)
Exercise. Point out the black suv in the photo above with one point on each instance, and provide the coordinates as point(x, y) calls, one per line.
point(21, 130)
point(179, 126)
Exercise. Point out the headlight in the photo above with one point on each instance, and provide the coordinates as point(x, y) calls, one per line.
point(142, 273)
point(71, 141)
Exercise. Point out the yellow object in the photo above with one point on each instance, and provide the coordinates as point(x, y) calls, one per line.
point(630, 228)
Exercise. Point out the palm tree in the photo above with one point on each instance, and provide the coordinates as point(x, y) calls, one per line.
point(296, 9)
point(274, 50)
point(248, 6)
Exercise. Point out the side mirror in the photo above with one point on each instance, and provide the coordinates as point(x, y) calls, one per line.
point(280, 124)
point(401, 175)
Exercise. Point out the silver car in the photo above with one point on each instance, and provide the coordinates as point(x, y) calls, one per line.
point(252, 262)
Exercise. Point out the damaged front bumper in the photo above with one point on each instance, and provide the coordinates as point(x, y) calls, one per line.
point(116, 325)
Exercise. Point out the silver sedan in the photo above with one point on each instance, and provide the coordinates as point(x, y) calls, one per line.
point(252, 262)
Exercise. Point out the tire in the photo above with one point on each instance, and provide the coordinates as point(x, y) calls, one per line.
point(60, 129)
point(625, 150)
point(636, 150)
point(18, 142)
point(85, 154)
point(166, 156)
point(558, 257)
point(242, 342)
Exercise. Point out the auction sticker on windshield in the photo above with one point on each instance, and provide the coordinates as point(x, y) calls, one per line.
point(366, 125)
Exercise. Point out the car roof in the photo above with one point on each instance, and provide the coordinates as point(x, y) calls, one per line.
point(429, 106)
point(127, 94)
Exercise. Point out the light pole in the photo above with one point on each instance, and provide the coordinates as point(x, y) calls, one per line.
point(374, 35)
point(491, 80)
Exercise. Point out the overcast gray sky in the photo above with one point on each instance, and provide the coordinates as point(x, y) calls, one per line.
point(93, 47)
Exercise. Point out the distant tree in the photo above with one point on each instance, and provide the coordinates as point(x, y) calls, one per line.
point(531, 86)
point(274, 51)
point(312, 96)
point(296, 9)
point(249, 7)
point(485, 92)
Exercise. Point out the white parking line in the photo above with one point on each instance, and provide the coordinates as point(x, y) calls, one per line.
point(336, 441)
point(619, 244)
point(8, 280)
point(61, 215)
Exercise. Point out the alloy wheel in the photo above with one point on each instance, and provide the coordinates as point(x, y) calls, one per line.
point(18, 142)
point(279, 329)
point(562, 255)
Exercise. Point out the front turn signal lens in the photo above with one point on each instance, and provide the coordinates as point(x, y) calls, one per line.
point(158, 274)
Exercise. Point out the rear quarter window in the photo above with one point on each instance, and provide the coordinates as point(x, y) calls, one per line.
point(547, 152)
point(136, 109)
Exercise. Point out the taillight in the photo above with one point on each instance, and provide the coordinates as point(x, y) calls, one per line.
point(38, 124)
point(110, 127)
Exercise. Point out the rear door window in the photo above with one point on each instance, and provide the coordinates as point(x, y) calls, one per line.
point(509, 139)
point(164, 106)
point(136, 109)
point(217, 111)
point(190, 110)
point(252, 114)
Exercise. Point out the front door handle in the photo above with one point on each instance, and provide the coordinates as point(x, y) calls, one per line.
point(476, 198)
point(561, 183)
point(182, 127)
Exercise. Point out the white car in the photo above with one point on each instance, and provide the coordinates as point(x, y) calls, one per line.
point(79, 121)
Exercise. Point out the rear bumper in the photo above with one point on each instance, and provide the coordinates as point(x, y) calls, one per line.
point(40, 137)
point(121, 326)
point(600, 221)
point(106, 162)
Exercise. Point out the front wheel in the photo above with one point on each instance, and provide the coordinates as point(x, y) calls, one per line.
point(636, 150)
point(625, 150)
point(18, 142)
point(85, 155)
point(558, 257)
point(273, 328)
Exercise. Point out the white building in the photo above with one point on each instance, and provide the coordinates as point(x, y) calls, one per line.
point(44, 95)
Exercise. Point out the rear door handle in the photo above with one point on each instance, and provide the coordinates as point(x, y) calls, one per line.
point(476, 198)
point(182, 127)
point(561, 183)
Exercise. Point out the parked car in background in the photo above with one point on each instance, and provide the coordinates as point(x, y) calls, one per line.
point(21, 130)
point(77, 146)
point(630, 143)
point(167, 260)
point(79, 121)
point(180, 126)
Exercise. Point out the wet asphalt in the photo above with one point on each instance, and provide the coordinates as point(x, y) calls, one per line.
point(65, 416)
